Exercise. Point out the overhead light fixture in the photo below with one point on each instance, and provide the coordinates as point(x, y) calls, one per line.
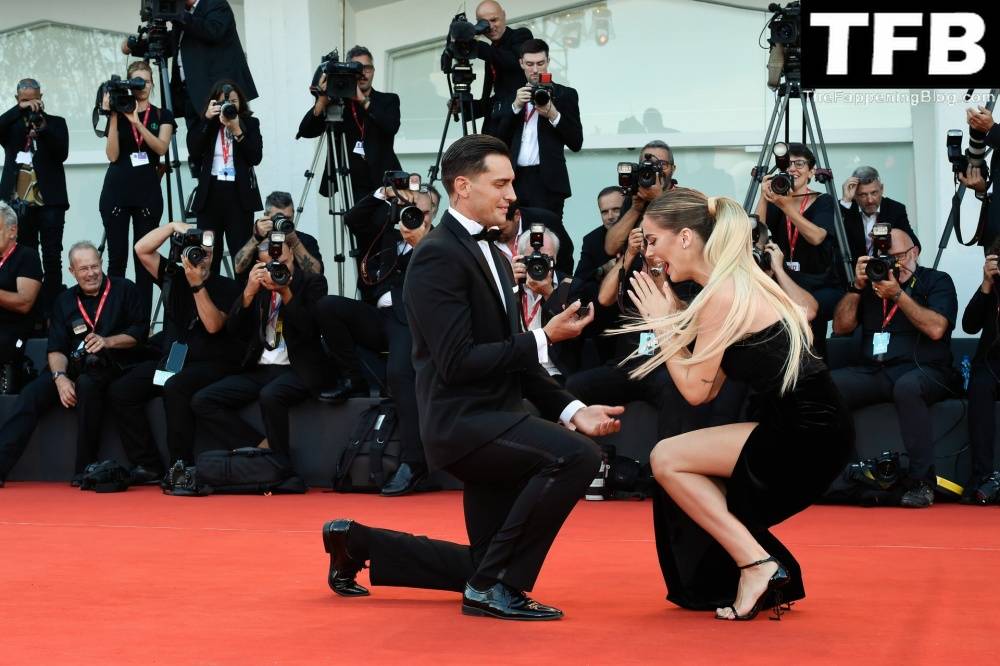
point(570, 30)
point(601, 24)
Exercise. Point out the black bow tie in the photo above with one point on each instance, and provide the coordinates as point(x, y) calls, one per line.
point(488, 235)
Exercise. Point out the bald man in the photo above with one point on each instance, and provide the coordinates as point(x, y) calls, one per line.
point(503, 73)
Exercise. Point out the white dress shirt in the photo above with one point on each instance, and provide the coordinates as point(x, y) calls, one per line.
point(868, 221)
point(278, 355)
point(221, 168)
point(527, 155)
point(541, 341)
point(402, 247)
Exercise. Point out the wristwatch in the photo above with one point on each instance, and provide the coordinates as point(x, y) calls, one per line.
point(853, 289)
point(195, 288)
point(57, 374)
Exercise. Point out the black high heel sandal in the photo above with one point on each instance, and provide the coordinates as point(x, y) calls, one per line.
point(776, 582)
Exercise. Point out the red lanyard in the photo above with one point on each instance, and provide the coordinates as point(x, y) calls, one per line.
point(361, 125)
point(137, 134)
point(100, 307)
point(226, 146)
point(892, 313)
point(527, 115)
point(6, 255)
point(529, 317)
point(793, 239)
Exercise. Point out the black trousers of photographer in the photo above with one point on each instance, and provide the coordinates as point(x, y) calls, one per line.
point(223, 213)
point(45, 224)
point(116, 224)
point(41, 395)
point(131, 392)
point(531, 191)
point(984, 390)
point(912, 390)
point(276, 387)
point(346, 322)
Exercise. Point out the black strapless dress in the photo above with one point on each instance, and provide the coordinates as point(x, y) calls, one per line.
point(802, 441)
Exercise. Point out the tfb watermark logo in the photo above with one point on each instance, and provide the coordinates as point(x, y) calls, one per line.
point(851, 44)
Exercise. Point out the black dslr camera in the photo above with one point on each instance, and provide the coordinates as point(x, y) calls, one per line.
point(881, 262)
point(120, 92)
point(782, 182)
point(880, 473)
point(279, 222)
point(35, 119)
point(191, 245)
point(632, 176)
point(341, 77)
point(761, 257)
point(538, 263)
point(81, 361)
point(229, 109)
point(975, 155)
point(543, 91)
point(402, 211)
point(280, 275)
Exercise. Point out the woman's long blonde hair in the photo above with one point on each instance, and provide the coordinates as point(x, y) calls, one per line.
point(726, 230)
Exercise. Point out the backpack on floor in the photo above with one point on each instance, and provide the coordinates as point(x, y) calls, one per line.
point(108, 476)
point(249, 470)
point(372, 453)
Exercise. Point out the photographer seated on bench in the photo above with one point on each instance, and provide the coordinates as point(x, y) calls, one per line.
point(906, 316)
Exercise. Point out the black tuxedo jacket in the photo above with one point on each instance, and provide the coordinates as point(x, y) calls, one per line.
point(529, 216)
point(247, 154)
point(52, 148)
point(503, 73)
point(302, 335)
point(210, 50)
point(379, 244)
point(854, 226)
point(381, 123)
point(474, 364)
point(552, 141)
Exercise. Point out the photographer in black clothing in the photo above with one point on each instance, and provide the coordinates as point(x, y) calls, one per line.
point(94, 329)
point(196, 303)
point(282, 357)
point(131, 191)
point(633, 207)
point(983, 314)
point(906, 321)
point(378, 321)
point(20, 282)
point(538, 135)
point(503, 74)
point(304, 247)
point(863, 203)
point(370, 124)
point(36, 145)
point(226, 142)
point(206, 47)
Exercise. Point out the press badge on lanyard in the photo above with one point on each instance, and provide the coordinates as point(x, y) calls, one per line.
point(228, 172)
point(793, 238)
point(140, 158)
point(647, 343)
point(24, 157)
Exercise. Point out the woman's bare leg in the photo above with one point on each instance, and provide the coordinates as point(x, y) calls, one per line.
point(688, 466)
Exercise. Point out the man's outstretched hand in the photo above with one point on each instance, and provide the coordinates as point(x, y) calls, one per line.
point(598, 420)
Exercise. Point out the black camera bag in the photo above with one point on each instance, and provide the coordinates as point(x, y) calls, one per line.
point(249, 470)
point(108, 476)
point(372, 454)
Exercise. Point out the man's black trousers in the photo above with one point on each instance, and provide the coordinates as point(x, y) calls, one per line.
point(38, 397)
point(130, 393)
point(912, 390)
point(983, 392)
point(346, 322)
point(276, 387)
point(519, 489)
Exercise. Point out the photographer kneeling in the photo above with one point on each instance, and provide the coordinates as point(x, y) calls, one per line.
point(197, 350)
point(93, 330)
point(282, 358)
point(388, 225)
point(20, 282)
point(906, 313)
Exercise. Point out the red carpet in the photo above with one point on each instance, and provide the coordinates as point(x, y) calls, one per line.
point(142, 578)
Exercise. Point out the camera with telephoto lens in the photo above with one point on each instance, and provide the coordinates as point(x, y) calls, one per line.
point(190, 245)
point(974, 155)
point(341, 77)
point(281, 222)
point(881, 472)
point(402, 211)
point(280, 275)
point(543, 91)
point(881, 263)
point(538, 263)
point(761, 257)
point(632, 176)
point(120, 92)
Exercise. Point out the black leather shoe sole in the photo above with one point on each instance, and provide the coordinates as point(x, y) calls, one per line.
point(335, 543)
point(410, 487)
point(523, 616)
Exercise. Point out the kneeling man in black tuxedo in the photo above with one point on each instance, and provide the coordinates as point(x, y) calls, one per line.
point(475, 365)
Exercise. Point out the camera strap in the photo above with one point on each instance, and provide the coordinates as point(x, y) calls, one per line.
point(227, 147)
point(529, 316)
point(892, 313)
point(528, 114)
point(6, 255)
point(273, 325)
point(137, 134)
point(793, 239)
point(100, 307)
point(362, 124)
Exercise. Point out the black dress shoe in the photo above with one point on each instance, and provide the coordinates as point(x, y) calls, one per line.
point(143, 476)
point(505, 603)
point(339, 394)
point(76, 480)
point(343, 567)
point(3, 482)
point(404, 481)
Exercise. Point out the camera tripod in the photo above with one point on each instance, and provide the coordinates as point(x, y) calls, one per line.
point(460, 108)
point(338, 184)
point(812, 131)
point(954, 217)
